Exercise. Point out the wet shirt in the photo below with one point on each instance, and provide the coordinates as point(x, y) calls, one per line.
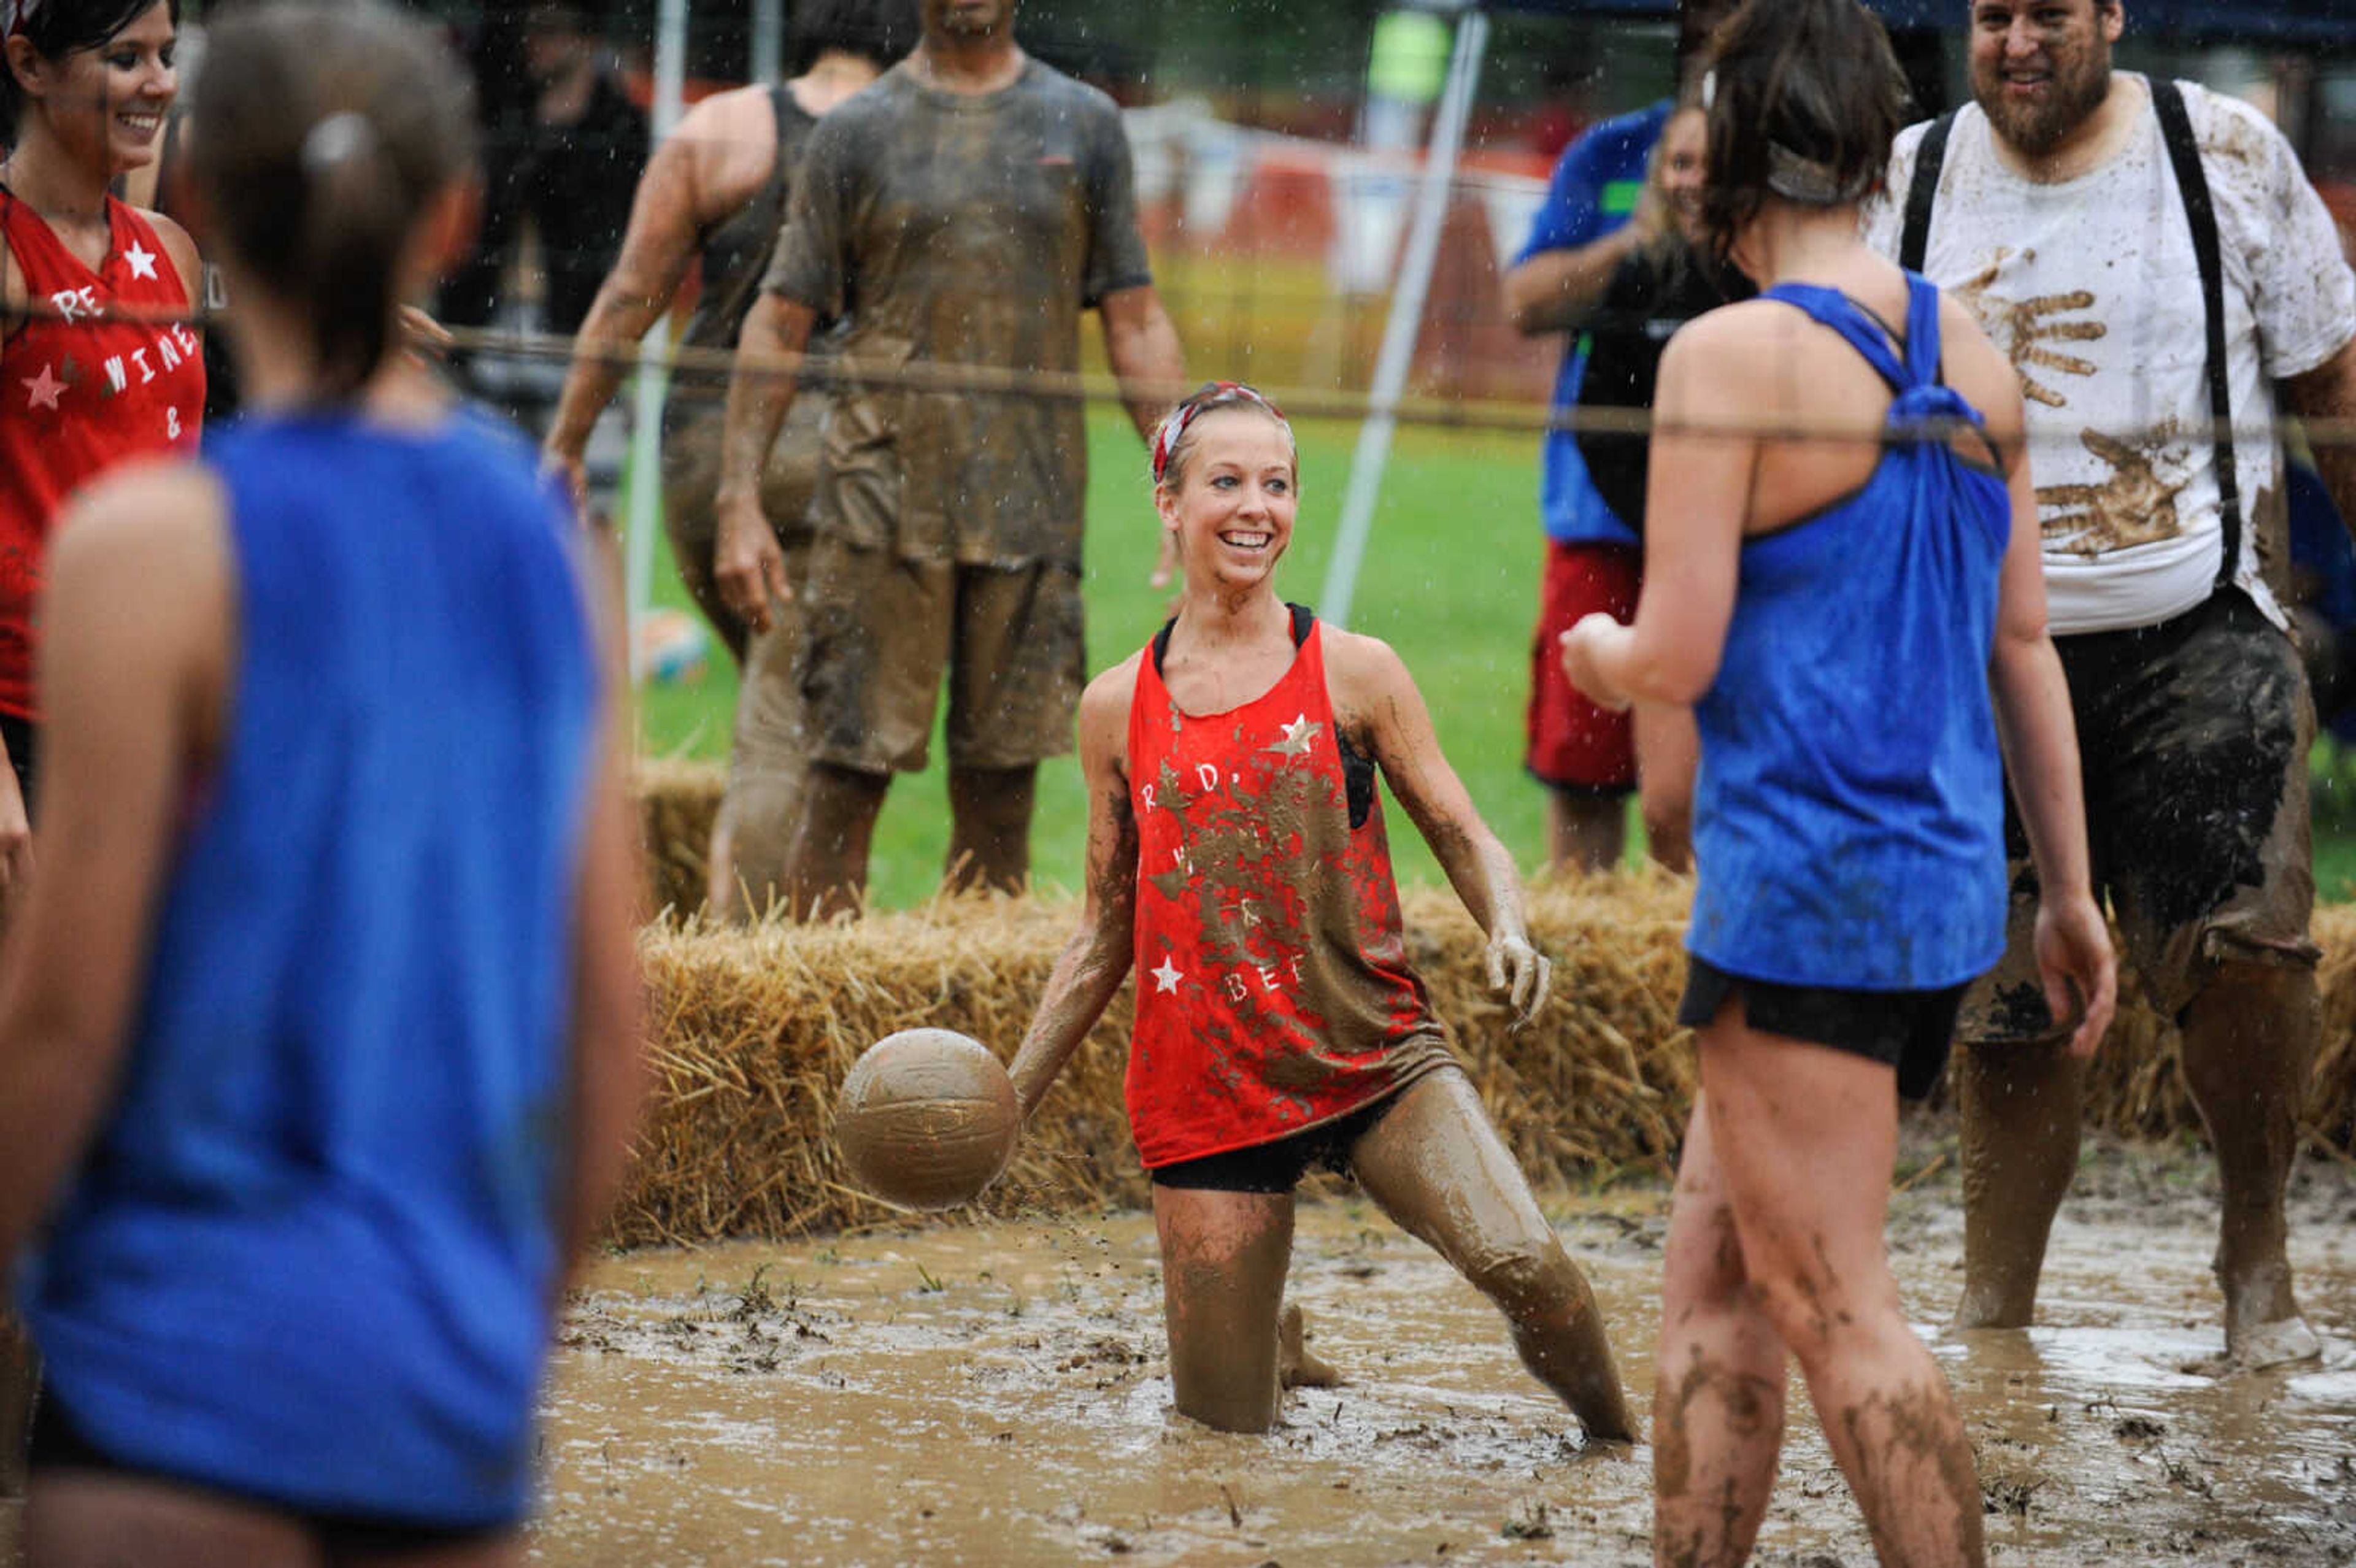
point(1594, 191)
point(735, 252)
point(1273, 991)
point(971, 230)
point(1849, 813)
point(79, 395)
point(2091, 286)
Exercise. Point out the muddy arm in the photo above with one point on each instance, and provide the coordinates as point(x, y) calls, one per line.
point(655, 249)
point(2040, 738)
point(1093, 962)
point(1374, 693)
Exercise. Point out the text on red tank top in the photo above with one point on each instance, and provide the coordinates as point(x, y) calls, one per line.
point(82, 388)
point(1273, 988)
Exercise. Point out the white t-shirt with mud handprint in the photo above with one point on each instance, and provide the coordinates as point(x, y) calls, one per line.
point(2091, 287)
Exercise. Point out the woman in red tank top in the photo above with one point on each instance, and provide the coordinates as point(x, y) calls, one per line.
point(98, 360)
point(1237, 862)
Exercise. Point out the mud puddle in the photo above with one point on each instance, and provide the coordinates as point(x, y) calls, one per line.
point(999, 1396)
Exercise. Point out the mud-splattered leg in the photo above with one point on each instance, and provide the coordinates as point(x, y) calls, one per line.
point(769, 775)
point(1223, 1262)
point(1438, 1168)
point(1585, 832)
point(2019, 1108)
point(827, 873)
point(989, 828)
point(1804, 1138)
point(1718, 1393)
point(1296, 1365)
point(2249, 1045)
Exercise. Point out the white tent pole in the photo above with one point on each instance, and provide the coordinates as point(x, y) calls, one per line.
point(768, 40)
point(646, 408)
point(1398, 356)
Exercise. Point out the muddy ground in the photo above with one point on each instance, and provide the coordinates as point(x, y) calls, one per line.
point(998, 1395)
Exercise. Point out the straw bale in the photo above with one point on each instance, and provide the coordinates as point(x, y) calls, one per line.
point(678, 801)
point(756, 1027)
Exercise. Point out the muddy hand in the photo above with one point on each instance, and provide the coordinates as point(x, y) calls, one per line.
point(568, 469)
point(1522, 972)
point(2079, 971)
point(746, 565)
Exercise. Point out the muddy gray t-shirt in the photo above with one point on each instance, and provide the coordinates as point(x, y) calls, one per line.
point(968, 231)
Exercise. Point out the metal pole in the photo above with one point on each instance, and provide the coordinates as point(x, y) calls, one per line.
point(768, 41)
point(1398, 356)
point(646, 408)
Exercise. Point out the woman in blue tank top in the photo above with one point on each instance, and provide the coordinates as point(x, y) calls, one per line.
point(1841, 571)
point(318, 1040)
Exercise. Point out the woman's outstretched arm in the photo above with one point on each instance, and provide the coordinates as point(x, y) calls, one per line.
point(1374, 697)
point(1093, 962)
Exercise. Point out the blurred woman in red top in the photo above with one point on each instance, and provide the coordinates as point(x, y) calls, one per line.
point(98, 360)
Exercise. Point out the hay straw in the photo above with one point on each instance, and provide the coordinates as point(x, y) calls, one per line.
point(677, 801)
point(756, 1027)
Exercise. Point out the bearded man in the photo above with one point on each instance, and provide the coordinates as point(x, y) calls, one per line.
point(2152, 258)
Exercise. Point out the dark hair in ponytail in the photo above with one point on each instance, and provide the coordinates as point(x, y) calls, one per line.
point(61, 27)
point(320, 133)
point(1804, 97)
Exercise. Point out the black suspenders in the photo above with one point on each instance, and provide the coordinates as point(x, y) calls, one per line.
point(2200, 213)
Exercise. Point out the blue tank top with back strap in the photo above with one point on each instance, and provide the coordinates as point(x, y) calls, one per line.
point(1849, 812)
point(310, 1258)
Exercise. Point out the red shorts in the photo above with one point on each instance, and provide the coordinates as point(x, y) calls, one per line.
point(1574, 745)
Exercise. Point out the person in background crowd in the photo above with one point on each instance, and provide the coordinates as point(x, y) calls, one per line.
point(1596, 215)
point(964, 210)
point(716, 192)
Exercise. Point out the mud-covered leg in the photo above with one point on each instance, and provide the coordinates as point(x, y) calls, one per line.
point(827, 872)
point(769, 775)
point(2249, 1046)
point(1718, 1391)
point(989, 828)
point(1804, 1138)
point(1223, 1262)
point(2018, 1103)
point(1438, 1168)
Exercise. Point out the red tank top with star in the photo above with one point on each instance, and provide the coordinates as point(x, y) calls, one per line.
point(1273, 991)
point(80, 392)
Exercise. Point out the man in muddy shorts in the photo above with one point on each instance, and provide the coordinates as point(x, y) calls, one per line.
point(964, 210)
point(2067, 207)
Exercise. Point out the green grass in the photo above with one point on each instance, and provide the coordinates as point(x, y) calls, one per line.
point(1451, 580)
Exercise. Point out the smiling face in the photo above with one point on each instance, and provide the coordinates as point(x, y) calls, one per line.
point(2042, 67)
point(1229, 497)
point(106, 105)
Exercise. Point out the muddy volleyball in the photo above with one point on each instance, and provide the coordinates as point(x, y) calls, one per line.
point(927, 1118)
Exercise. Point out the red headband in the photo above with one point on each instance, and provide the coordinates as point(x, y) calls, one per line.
point(1216, 395)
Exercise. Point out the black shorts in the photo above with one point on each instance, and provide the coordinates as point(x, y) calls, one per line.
point(1908, 1030)
point(2192, 741)
point(57, 1443)
point(1279, 1166)
point(24, 753)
